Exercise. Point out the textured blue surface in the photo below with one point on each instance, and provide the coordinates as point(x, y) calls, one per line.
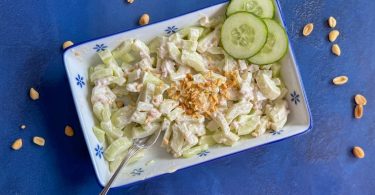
point(319, 162)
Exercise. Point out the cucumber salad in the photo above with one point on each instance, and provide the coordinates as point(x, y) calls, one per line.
point(204, 85)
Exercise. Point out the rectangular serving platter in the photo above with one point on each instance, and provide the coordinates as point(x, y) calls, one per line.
point(80, 57)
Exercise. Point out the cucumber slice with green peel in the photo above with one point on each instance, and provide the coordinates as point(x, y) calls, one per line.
point(261, 8)
point(243, 35)
point(275, 47)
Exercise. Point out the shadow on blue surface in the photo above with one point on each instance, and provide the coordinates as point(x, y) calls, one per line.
point(69, 152)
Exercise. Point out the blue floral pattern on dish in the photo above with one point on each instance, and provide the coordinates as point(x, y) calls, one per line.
point(171, 29)
point(100, 47)
point(99, 150)
point(295, 97)
point(203, 153)
point(278, 132)
point(138, 171)
point(80, 81)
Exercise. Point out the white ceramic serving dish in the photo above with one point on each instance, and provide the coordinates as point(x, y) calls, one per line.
point(80, 57)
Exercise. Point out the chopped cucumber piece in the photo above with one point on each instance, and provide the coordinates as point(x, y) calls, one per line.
point(106, 56)
point(101, 73)
point(128, 58)
point(148, 77)
point(113, 165)
point(174, 52)
point(275, 47)
point(120, 145)
point(261, 8)
point(188, 32)
point(194, 60)
point(194, 150)
point(248, 123)
point(205, 32)
point(267, 86)
point(155, 44)
point(208, 41)
point(276, 68)
point(140, 132)
point(99, 133)
point(243, 35)
point(206, 139)
point(124, 47)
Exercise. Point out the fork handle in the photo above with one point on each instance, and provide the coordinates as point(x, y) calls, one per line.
point(131, 152)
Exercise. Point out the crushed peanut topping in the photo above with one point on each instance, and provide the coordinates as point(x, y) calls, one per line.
point(202, 98)
point(232, 79)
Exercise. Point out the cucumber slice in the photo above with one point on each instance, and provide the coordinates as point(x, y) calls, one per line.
point(261, 8)
point(243, 35)
point(276, 46)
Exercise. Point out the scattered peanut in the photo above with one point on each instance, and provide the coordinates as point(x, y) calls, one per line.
point(336, 49)
point(67, 44)
point(307, 30)
point(17, 144)
point(332, 36)
point(358, 152)
point(38, 141)
point(332, 22)
point(69, 131)
point(34, 94)
point(340, 80)
point(130, 1)
point(23, 126)
point(360, 100)
point(144, 20)
point(358, 111)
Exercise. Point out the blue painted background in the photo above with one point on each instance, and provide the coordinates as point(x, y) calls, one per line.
point(319, 162)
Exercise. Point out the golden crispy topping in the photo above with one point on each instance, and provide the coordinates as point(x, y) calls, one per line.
point(202, 98)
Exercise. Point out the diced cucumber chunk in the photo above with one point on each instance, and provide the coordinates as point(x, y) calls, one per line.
point(205, 32)
point(207, 139)
point(148, 77)
point(113, 165)
point(106, 56)
point(208, 41)
point(101, 73)
point(194, 60)
point(186, 32)
point(248, 123)
point(275, 47)
point(118, 146)
point(194, 150)
point(123, 48)
point(155, 44)
point(128, 58)
point(261, 8)
point(267, 86)
point(243, 35)
point(99, 133)
point(276, 68)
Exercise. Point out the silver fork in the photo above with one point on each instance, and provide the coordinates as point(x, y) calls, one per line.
point(138, 144)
